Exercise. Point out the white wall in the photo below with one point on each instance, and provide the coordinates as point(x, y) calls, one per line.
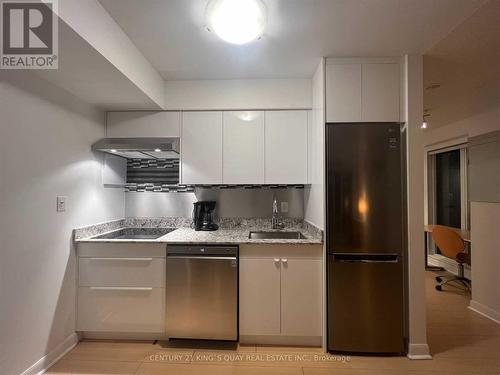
point(314, 195)
point(485, 238)
point(230, 203)
point(44, 152)
point(238, 94)
point(418, 347)
point(470, 126)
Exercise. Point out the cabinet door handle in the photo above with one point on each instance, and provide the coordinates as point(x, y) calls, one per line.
point(276, 260)
point(118, 288)
point(131, 259)
point(284, 260)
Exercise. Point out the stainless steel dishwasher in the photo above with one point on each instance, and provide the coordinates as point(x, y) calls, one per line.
point(202, 292)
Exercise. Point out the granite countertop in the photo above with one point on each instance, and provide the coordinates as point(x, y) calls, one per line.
point(231, 231)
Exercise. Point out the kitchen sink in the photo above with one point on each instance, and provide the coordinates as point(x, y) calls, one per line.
point(135, 234)
point(276, 235)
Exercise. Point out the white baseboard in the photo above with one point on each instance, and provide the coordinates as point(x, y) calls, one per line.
point(419, 351)
point(314, 341)
point(124, 336)
point(44, 363)
point(485, 311)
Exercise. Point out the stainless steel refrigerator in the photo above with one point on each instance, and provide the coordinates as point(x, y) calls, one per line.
point(365, 238)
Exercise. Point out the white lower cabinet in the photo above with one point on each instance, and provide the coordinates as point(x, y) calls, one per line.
point(121, 272)
point(301, 297)
point(259, 297)
point(121, 288)
point(281, 294)
point(121, 309)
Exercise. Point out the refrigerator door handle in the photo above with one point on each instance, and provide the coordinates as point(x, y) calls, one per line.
point(366, 261)
point(364, 258)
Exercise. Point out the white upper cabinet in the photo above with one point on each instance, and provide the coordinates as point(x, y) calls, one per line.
point(286, 147)
point(343, 93)
point(145, 124)
point(243, 148)
point(201, 148)
point(310, 146)
point(231, 147)
point(363, 90)
point(380, 95)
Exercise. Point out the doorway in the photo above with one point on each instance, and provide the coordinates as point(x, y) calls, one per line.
point(447, 194)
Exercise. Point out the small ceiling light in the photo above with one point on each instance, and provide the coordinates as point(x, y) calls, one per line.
point(157, 150)
point(424, 121)
point(113, 150)
point(236, 21)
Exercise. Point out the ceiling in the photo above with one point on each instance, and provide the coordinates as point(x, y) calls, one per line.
point(466, 65)
point(172, 36)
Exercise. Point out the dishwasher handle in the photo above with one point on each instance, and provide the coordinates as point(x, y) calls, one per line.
point(200, 257)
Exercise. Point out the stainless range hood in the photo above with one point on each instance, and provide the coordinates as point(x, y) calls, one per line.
point(139, 148)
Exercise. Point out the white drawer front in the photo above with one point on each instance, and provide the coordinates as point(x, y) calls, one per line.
point(131, 272)
point(122, 249)
point(108, 309)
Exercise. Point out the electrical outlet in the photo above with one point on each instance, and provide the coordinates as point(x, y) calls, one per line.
point(284, 207)
point(61, 203)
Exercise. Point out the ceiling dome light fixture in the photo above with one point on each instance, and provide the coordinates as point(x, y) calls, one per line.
point(236, 21)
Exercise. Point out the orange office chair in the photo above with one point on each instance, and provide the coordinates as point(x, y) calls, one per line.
point(451, 246)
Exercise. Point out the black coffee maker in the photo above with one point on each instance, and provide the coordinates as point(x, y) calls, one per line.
point(203, 215)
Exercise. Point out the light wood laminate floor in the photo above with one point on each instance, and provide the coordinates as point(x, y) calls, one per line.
point(461, 341)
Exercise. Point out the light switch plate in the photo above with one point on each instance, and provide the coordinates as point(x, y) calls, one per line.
point(61, 203)
point(284, 207)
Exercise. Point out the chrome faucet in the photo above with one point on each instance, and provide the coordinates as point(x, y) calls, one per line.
point(276, 220)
